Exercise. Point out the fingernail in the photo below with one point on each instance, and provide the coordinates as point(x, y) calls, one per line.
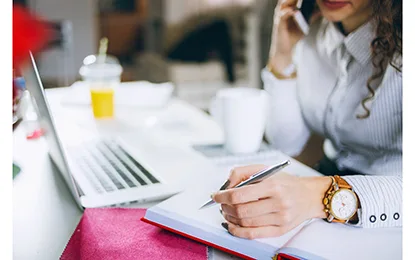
point(225, 226)
point(212, 195)
point(225, 185)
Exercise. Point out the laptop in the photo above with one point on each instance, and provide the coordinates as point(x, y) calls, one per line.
point(112, 170)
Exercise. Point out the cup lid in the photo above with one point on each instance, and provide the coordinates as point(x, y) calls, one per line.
point(95, 66)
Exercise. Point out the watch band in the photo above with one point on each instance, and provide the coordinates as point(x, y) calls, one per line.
point(288, 73)
point(337, 183)
point(327, 199)
point(342, 183)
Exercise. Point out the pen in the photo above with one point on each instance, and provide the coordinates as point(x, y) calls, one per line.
point(257, 177)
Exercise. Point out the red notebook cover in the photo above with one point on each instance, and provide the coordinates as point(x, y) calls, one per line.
point(118, 233)
point(280, 256)
point(197, 239)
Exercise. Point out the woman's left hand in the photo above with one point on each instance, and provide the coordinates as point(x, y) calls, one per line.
point(272, 207)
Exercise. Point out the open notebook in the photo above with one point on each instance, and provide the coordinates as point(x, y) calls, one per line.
point(313, 240)
point(181, 214)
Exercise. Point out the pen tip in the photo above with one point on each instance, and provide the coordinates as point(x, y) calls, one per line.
point(210, 202)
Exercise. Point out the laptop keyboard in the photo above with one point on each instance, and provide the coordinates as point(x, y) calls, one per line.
point(108, 167)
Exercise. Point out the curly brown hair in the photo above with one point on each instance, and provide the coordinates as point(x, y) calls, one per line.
point(387, 45)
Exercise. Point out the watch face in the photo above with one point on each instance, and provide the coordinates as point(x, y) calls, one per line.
point(343, 204)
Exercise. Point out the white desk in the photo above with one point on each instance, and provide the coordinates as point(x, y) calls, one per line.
point(45, 215)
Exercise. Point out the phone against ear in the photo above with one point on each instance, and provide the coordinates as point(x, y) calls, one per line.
point(306, 8)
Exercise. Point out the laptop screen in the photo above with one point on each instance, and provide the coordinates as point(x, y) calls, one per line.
point(56, 151)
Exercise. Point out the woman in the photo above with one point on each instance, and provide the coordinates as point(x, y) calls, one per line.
point(346, 85)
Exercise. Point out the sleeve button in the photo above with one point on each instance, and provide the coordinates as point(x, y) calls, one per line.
point(396, 216)
point(383, 217)
point(372, 219)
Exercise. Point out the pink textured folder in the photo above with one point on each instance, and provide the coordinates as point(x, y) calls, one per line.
point(118, 233)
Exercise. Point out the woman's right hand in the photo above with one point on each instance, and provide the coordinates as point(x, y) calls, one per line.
point(285, 34)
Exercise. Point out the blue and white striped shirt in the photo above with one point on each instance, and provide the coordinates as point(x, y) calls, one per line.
point(332, 72)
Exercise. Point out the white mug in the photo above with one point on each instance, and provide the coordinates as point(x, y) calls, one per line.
point(242, 112)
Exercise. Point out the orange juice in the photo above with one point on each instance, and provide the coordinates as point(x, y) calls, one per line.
point(102, 100)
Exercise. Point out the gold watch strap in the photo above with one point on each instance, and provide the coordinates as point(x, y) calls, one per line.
point(279, 75)
point(342, 183)
point(327, 198)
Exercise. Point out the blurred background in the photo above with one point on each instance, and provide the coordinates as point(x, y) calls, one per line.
point(199, 45)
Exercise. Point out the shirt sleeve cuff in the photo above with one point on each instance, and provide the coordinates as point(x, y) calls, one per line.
point(380, 200)
point(275, 86)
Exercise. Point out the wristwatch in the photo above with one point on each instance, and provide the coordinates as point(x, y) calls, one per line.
point(340, 201)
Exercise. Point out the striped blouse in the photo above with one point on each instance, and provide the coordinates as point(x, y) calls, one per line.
point(332, 71)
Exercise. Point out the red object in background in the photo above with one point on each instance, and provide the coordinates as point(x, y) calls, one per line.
point(29, 34)
point(118, 233)
point(36, 134)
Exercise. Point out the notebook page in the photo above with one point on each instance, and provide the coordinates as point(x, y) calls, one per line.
point(322, 240)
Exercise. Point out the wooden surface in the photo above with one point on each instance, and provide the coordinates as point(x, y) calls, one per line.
point(122, 28)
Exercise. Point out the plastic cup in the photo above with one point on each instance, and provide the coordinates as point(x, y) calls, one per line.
point(102, 76)
point(102, 101)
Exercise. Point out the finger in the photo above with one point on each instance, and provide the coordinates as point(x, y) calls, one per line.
point(287, 3)
point(283, 15)
point(249, 193)
point(286, 13)
point(251, 209)
point(258, 232)
point(243, 194)
point(280, 218)
point(239, 174)
point(261, 221)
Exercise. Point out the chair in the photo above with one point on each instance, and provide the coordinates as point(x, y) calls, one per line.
point(197, 82)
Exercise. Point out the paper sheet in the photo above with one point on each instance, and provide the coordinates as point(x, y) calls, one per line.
point(341, 242)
